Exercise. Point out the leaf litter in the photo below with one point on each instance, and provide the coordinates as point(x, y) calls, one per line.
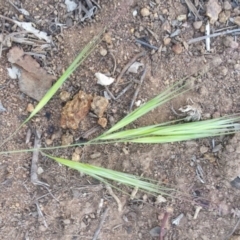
point(34, 81)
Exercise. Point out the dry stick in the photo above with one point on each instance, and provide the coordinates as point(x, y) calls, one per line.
point(163, 225)
point(40, 214)
point(100, 224)
point(124, 90)
point(115, 197)
point(1, 44)
point(193, 40)
point(34, 167)
point(193, 9)
point(138, 89)
point(129, 64)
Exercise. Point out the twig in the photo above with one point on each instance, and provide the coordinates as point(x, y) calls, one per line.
point(115, 197)
point(100, 224)
point(129, 64)
point(37, 145)
point(163, 225)
point(1, 43)
point(90, 132)
point(193, 40)
point(137, 89)
point(110, 93)
point(193, 9)
point(207, 31)
point(40, 214)
point(146, 44)
point(234, 229)
point(124, 90)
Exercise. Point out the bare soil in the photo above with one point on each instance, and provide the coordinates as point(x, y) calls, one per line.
point(70, 206)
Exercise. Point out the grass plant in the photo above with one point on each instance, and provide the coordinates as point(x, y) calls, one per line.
point(174, 131)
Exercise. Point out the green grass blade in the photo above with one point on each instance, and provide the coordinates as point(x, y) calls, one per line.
point(103, 174)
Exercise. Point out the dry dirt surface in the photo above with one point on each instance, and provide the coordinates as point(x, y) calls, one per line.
point(72, 205)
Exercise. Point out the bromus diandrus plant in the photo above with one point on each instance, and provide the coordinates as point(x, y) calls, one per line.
point(173, 131)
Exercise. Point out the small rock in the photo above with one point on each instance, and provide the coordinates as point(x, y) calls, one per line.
point(224, 71)
point(145, 12)
point(197, 25)
point(237, 67)
point(75, 157)
point(49, 141)
point(227, 5)
point(108, 39)
point(95, 155)
point(102, 122)
point(103, 79)
point(177, 48)
point(182, 17)
point(237, 20)
point(229, 42)
point(223, 17)
point(160, 199)
point(40, 170)
point(99, 105)
point(166, 41)
point(67, 139)
point(212, 10)
point(66, 221)
point(238, 149)
point(135, 13)
point(64, 96)
point(103, 52)
point(78, 150)
point(30, 107)
point(155, 232)
point(203, 149)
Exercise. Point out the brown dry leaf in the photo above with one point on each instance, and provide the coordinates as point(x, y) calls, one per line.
point(34, 81)
point(76, 110)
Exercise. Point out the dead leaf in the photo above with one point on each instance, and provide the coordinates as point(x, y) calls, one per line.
point(34, 81)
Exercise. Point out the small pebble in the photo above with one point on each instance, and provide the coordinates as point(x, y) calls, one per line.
point(182, 17)
point(166, 41)
point(197, 25)
point(103, 52)
point(30, 107)
point(95, 155)
point(125, 150)
point(135, 13)
point(160, 199)
point(177, 48)
point(48, 141)
point(66, 221)
point(75, 157)
point(78, 150)
point(237, 20)
point(102, 122)
point(224, 71)
point(145, 12)
point(67, 139)
point(40, 170)
point(64, 96)
point(203, 149)
point(229, 42)
point(237, 67)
